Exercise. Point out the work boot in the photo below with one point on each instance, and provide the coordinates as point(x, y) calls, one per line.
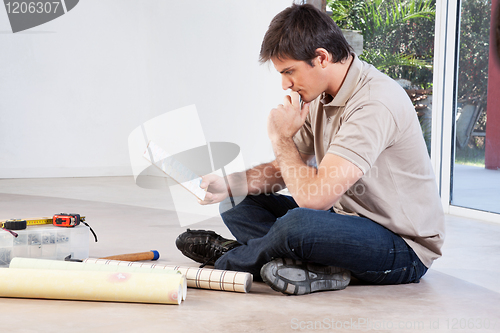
point(294, 277)
point(204, 246)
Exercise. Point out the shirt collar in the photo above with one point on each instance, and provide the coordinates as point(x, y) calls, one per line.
point(347, 88)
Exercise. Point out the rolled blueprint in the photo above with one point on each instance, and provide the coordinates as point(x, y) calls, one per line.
point(90, 285)
point(79, 266)
point(204, 278)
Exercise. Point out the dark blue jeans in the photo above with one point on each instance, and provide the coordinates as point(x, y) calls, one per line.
point(273, 226)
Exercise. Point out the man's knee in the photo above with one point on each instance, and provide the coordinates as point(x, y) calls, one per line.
point(294, 222)
point(294, 234)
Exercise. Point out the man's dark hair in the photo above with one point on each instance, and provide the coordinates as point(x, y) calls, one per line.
point(298, 31)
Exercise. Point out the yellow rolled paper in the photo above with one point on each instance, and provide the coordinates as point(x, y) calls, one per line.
point(89, 285)
point(80, 266)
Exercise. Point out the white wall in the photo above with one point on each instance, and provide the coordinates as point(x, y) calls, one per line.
point(72, 90)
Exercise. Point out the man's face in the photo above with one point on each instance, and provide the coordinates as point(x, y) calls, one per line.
point(299, 76)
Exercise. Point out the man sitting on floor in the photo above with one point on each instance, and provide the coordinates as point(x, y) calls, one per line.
point(351, 153)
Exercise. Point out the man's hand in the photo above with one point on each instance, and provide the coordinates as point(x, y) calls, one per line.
point(216, 189)
point(285, 120)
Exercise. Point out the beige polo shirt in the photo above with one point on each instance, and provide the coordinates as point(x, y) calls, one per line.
point(372, 123)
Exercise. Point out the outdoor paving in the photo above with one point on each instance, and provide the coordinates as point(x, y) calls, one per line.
point(476, 187)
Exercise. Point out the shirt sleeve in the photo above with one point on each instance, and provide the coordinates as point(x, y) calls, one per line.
point(365, 132)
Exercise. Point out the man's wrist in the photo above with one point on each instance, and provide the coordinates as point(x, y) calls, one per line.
point(283, 146)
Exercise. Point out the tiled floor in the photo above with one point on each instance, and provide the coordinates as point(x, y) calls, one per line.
point(460, 293)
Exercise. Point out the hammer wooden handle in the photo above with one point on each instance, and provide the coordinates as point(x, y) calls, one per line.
point(151, 255)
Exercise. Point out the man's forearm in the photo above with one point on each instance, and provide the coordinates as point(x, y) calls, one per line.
point(315, 188)
point(295, 173)
point(264, 178)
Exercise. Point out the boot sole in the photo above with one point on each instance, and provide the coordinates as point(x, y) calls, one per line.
point(294, 277)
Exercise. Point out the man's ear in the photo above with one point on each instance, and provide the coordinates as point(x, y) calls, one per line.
point(324, 57)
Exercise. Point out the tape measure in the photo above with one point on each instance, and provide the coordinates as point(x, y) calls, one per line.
point(17, 224)
point(67, 220)
point(60, 220)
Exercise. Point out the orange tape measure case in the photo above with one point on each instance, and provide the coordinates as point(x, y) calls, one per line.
point(66, 220)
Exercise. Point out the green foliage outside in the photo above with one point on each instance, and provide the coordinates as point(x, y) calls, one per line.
point(470, 156)
point(474, 49)
point(398, 35)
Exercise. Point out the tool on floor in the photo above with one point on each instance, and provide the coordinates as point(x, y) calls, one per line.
point(67, 220)
point(151, 255)
point(59, 220)
point(20, 224)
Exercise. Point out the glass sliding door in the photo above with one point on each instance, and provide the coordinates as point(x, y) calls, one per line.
point(475, 168)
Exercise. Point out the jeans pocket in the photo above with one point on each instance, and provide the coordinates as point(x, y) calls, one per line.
point(394, 276)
